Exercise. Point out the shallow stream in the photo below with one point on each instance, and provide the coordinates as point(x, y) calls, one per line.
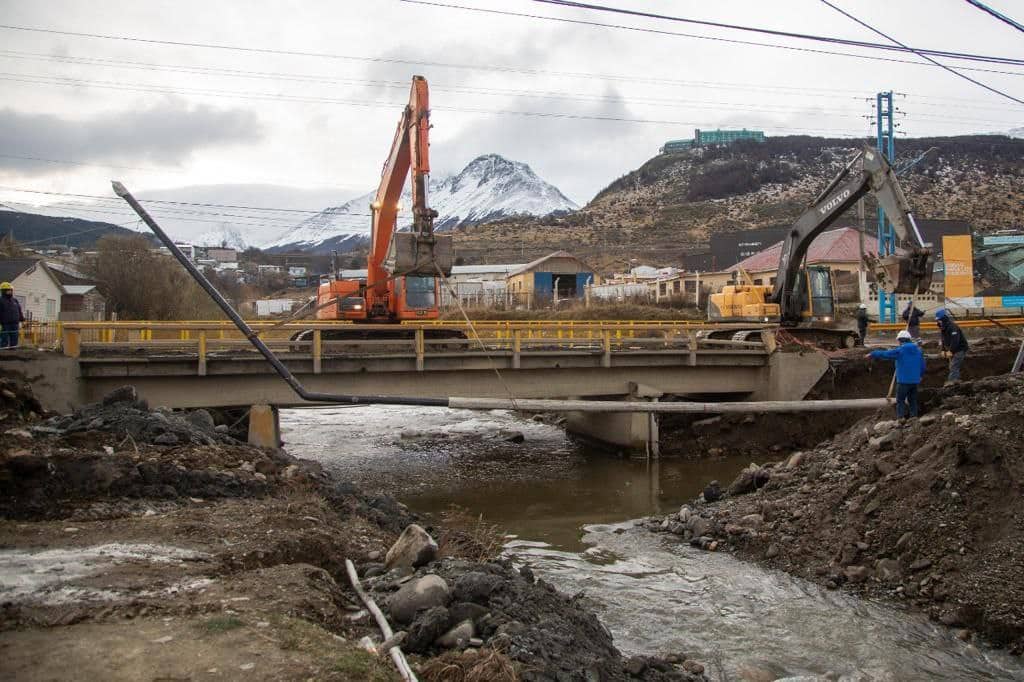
point(568, 508)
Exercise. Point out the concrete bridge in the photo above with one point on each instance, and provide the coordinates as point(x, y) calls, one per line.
point(195, 364)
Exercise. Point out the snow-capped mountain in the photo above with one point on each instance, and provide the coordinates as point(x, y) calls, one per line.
point(490, 187)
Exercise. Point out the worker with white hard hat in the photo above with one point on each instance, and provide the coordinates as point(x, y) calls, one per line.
point(862, 322)
point(909, 372)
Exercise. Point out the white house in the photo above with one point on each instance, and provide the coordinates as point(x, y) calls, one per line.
point(35, 286)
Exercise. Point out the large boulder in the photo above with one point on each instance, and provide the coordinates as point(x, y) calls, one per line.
point(417, 595)
point(413, 548)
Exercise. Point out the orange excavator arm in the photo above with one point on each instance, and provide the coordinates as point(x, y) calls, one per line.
point(409, 151)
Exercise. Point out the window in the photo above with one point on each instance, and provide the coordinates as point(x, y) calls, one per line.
point(675, 286)
point(661, 289)
point(51, 308)
point(691, 286)
point(419, 292)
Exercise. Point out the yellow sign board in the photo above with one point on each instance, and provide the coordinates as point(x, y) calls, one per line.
point(959, 260)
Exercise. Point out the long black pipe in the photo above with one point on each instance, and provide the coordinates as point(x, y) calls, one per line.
point(254, 339)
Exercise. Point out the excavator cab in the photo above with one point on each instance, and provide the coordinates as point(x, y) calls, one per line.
point(815, 293)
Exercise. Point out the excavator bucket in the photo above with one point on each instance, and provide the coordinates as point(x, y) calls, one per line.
point(415, 254)
point(903, 273)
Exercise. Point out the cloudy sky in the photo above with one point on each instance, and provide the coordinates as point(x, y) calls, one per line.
point(250, 121)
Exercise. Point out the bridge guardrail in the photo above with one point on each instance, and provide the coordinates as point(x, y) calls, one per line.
point(509, 340)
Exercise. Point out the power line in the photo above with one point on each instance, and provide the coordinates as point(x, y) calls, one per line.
point(925, 57)
point(39, 79)
point(583, 22)
point(1001, 17)
point(785, 34)
point(818, 93)
point(113, 85)
point(423, 62)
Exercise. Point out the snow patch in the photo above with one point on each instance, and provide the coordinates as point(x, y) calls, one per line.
point(489, 188)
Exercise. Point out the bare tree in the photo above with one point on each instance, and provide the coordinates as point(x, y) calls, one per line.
point(142, 284)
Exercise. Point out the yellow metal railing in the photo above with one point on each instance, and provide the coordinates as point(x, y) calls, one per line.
point(511, 338)
point(969, 322)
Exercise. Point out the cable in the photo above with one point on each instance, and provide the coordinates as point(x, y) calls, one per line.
point(784, 34)
point(1001, 17)
point(421, 62)
point(579, 97)
point(926, 57)
point(59, 80)
point(624, 27)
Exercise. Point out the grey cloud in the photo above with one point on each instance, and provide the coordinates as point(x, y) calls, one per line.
point(163, 134)
point(579, 156)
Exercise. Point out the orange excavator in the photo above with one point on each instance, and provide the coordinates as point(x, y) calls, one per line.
point(403, 269)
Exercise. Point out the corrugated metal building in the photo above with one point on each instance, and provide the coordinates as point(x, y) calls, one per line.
point(557, 276)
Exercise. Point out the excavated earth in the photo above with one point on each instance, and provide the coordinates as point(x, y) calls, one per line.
point(850, 375)
point(150, 544)
point(928, 513)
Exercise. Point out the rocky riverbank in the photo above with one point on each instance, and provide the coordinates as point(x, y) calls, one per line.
point(929, 513)
point(150, 544)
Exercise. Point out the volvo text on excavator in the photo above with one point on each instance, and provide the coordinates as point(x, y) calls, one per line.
point(802, 299)
point(403, 268)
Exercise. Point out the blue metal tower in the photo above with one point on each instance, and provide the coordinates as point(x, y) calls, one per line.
point(886, 235)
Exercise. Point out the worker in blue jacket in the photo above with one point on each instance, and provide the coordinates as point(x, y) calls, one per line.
point(909, 372)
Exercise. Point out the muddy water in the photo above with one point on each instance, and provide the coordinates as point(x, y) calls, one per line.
point(568, 508)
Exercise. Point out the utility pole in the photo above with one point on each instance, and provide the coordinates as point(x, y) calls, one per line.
point(886, 141)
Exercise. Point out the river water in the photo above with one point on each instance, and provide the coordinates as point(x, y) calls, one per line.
point(567, 509)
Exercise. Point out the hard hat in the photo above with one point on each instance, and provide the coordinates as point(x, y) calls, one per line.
point(863, 306)
point(5, 285)
point(904, 336)
point(941, 314)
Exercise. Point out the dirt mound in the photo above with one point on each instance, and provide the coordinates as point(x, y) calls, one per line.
point(152, 557)
point(122, 414)
point(549, 635)
point(929, 512)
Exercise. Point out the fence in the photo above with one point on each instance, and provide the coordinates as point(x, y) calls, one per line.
point(421, 339)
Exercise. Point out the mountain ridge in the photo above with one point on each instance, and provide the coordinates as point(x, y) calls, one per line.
point(671, 205)
point(489, 187)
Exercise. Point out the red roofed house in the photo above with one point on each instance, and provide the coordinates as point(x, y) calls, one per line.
point(839, 249)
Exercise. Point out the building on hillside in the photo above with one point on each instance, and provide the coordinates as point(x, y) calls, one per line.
point(555, 277)
point(711, 138)
point(35, 286)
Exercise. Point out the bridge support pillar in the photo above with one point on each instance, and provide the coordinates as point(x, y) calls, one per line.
point(634, 432)
point(264, 426)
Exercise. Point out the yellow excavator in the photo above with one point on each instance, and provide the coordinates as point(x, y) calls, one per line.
point(801, 300)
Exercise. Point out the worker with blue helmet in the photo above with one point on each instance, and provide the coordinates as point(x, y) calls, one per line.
point(953, 342)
